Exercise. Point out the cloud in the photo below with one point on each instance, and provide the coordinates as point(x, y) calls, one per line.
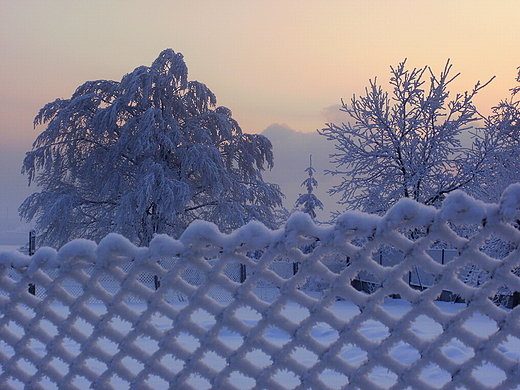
point(333, 114)
point(292, 150)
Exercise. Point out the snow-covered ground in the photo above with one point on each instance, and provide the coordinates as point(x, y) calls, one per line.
point(323, 338)
point(424, 327)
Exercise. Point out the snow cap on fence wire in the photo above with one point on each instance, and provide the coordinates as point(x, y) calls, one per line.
point(86, 330)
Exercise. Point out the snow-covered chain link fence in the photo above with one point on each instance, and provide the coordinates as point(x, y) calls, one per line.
point(36, 331)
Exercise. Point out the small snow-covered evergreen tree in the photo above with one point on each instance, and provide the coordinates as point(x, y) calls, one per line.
point(148, 154)
point(406, 143)
point(308, 202)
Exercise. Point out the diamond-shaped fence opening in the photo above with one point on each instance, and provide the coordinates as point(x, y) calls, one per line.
point(220, 294)
point(37, 346)
point(366, 282)
point(230, 338)
point(146, 343)
point(203, 318)
point(315, 287)
point(108, 345)
point(419, 278)
point(426, 328)
point(473, 275)
point(95, 365)
point(198, 382)
point(353, 355)
point(80, 382)
point(241, 381)
point(12, 383)
point(463, 229)
point(346, 311)
point(287, 378)
point(193, 276)
point(295, 313)
point(304, 356)
point(336, 263)
point(117, 383)
point(59, 365)
point(71, 286)
point(457, 351)
point(333, 379)
point(156, 382)
point(383, 377)
point(173, 363)
point(188, 341)
point(510, 347)
point(248, 315)
point(71, 346)
point(259, 358)
point(442, 252)
point(435, 376)
point(135, 295)
point(374, 330)
point(276, 336)
point(404, 353)
point(388, 256)
point(173, 296)
point(111, 281)
point(497, 247)
point(12, 333)
point(49, 327)
point(27, 366)
point(489, 375)
point(324, 333)
point(85, 326)
point(214, 360)
point(481, 325)
point(128, 362)
point(267, 293)
point(284, 269)
point(47, 384)
point(148, 279)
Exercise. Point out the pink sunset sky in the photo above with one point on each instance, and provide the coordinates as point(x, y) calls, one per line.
point(278, 65)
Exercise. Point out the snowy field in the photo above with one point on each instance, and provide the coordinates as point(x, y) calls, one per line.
point(424, 327)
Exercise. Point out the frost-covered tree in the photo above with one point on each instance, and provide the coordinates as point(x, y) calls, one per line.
point(148, 154)
point(406, 143)
point(308, 202)
point(502, 135)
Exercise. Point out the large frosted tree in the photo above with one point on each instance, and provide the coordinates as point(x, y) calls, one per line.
point(148, 154)
point(407, 143)
point(502, 134)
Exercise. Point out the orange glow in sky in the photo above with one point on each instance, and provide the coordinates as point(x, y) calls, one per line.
point(269, 61)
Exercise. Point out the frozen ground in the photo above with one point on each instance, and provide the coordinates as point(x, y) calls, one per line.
point(426, 328)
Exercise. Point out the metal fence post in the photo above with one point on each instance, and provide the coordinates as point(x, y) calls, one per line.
point(295, 267)
point(32, 249)
point(243, 273)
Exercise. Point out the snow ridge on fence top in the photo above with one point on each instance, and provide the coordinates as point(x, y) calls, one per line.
point(406, 214)
point(354, 237)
